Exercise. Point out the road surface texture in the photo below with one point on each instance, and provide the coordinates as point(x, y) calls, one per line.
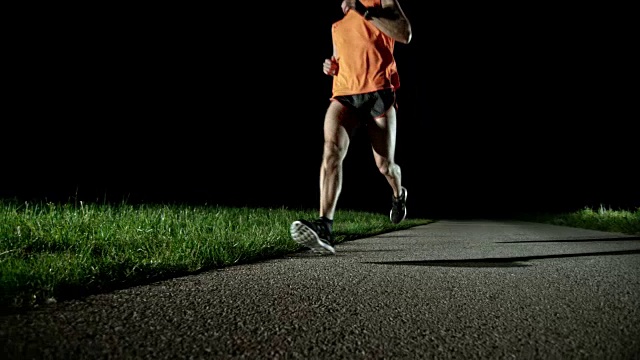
point(473, 289)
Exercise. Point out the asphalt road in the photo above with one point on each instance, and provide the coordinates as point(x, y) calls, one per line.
point(475, 289)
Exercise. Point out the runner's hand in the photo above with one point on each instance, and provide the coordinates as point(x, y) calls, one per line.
point(349, 4)
point(330, 66)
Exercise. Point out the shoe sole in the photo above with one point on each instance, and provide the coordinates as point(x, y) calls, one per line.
point(305, 236)
point(406, 195)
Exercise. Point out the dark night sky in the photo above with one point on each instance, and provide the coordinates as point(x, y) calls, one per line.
point(501, 110)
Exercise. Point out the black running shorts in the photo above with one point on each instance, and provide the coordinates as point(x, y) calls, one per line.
point(373, 104)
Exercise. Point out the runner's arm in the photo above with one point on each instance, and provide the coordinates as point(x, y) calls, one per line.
point(390, 19)
point(330, 66)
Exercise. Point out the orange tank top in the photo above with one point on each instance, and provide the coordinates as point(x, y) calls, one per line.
point(365, 55)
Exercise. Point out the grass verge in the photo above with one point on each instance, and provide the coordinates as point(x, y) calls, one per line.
point(51, 252)
point(603, 219)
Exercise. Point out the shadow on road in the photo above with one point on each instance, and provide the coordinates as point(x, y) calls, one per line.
point(634, 238)
point(499, 262)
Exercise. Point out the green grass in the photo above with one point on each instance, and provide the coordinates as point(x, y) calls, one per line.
point(603, 219)
point(61, 251)
point(51, 252)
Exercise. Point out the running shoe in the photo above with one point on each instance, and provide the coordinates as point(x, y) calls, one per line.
point(313, 234)
point(399, 207)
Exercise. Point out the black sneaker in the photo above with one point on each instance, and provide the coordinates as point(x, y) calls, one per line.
point(399, 207)
point(313, 234)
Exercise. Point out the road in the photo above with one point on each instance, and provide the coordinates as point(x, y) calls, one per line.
point(453, 289)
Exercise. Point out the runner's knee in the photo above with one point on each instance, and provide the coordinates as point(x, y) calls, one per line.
point(388, 169)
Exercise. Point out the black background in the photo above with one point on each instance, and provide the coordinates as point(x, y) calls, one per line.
point(502, 109)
